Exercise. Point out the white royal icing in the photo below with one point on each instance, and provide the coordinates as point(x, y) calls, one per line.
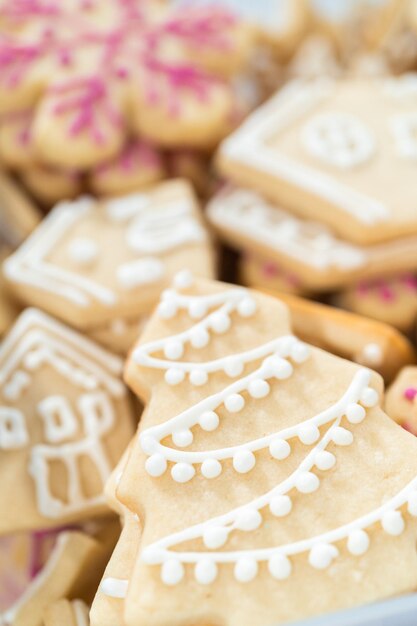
point(37, 339)
point(114, 587)
point(248, 518)
point(249, 145)
point(80, 613)
point(140, 272)
point(82, 251)
point(404, 129)
point(338, 139)
point(310, 243)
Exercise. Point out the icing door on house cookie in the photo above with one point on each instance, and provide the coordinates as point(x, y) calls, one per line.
point(64, 422)
point(341, 152)
point(269, 484)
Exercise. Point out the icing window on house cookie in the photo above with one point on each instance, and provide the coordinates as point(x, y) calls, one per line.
point(13, 431)
point(59, 420)
point(404, 130)
point(338, 139)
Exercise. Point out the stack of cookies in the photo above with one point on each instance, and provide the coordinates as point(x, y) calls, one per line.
point(175, 450)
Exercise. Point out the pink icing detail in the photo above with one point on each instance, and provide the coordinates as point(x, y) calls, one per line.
point(202, 28)
point(137, 154)
point(410, 393)
point(386, 293)
point(84, 97)
point(362, 289)
point(29, 8)
point(410, 281)
point(270, 270)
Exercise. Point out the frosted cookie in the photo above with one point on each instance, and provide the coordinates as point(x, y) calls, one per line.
point(16, 146)
point(71, 565)
point(120, 334)
point(91, 80)
point(137, 166)
point(392, 300)
point(65, 267)
point(259, 506)
point(401, 399)
point(339, 152)
point(67, 613)
point(367, 342)
point(65, 421)
point(18, 215)
point(8, 307)
point(49, 185)
point(316, 57)
point(260, 272)
point(305, 248)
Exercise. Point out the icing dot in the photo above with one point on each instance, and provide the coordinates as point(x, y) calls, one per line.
point(197, 309)
point(279, 449)
point(259, 388)
point(393, 523)
point(281, 368)
point(412, 504)
point(247, 306)
point(300, 352)
point(215, 537)
point(244, 461)
point(358, 542)
point(172, 572)
point(234, 403)
point(249, 519)
point(280, 505)
point(279, 566)
point(183, 279)
point(173, 349)
point(324, 460)
point(198, 377)
point(355, 413)
point(341, 436)
point(233, 367)
point(174, 376)
point(183, 438)
point(205, 571)
point(82, 250)
point(322, 555)
point(211, 468)
point(209, 420)
point(372, 354)
point(220, 322)
point(369, 397)
point(182, 472)
point(199, 338)
point(167, 309)
point(245, 570)
point(308, 433)
point(156, 465)
point(148, 444)
point(307, 482)
point(410, 393)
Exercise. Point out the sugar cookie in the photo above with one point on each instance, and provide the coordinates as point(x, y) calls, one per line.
point(305, 248)
point(351, 336)
point(64, 423)
point(120, 334)
point(91, 263)
point(8, 307)
point(341, 152)
point(67, 613)
point(262, 273)
point(218, 363)
point(49, 185)
point(96, 75)
point(137, 166)
point(18, 216)
point(401, 399)
point(392, 300)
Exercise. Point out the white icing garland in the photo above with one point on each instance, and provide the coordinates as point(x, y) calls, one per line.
point(249, 146)
point(215, 532)
point(309, 243)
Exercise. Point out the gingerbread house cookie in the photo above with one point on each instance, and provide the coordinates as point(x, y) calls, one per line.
point(91, 263)
point(341, 152)
point(65, 420)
